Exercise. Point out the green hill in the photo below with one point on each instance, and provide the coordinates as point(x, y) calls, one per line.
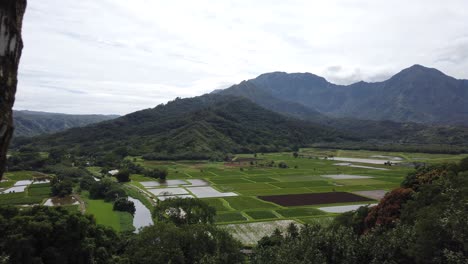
point(198, 127)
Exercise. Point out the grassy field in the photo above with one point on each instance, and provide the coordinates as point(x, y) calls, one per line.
point(104, 215)
point(33, 194)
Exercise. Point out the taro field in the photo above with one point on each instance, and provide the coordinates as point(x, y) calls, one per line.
point(276, 188)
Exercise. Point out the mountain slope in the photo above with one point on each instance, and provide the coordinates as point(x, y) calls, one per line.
point(416, 94)
point(32, 123)
point(196, 127)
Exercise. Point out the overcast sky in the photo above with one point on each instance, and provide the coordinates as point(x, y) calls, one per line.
point(118, 56)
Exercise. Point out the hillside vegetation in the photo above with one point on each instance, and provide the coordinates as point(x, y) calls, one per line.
point(199, 127)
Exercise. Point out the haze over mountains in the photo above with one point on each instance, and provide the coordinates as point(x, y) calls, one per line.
point(33, 123)
point(416, 94)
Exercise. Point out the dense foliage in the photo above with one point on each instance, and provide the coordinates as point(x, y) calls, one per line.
point(198, 243)
point(123, 175)
point(54, 235)
point(61, 187)
point(157, 173)
point(124, 205)
point(106, 189)
point(181, 211)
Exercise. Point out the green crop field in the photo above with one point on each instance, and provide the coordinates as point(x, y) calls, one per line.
point(104, 215)
point(263, 177)
point(20, 175)
point(261, 214)
point(235, 189)
point(299, 211)
point(246, 202)
point(218, 203)
point(33, 194)
point(230, 217)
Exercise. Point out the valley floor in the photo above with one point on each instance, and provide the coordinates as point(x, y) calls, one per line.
point(253, 195)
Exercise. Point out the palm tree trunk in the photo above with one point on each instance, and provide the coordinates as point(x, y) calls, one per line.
point(11, 45)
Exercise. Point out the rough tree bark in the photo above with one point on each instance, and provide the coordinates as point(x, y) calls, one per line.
point(11, 45)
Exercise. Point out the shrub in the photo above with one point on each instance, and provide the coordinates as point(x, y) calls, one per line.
point(124, 205)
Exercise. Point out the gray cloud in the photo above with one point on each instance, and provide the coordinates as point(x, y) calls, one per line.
point(118, 56)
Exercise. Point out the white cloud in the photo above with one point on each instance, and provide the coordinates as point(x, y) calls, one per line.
point(118, 56)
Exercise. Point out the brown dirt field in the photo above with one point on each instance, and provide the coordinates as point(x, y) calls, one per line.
point(314, 198)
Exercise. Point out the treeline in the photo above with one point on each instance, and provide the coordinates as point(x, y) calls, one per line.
point(54, 235)
point(396, 147)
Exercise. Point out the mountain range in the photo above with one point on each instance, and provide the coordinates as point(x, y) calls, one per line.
point(33, 123)
point(416, 94)
point(281, 112)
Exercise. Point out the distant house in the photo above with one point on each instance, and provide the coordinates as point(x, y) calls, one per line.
point(113, 172)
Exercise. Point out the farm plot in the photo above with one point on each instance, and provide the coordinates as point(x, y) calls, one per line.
point(262, 179)
point(359, 166)
point(299, 211)
point(197, 182)
point(314, 198)
point(246, 186)
point(345, 176)
point(362, 182)
point(245, 202)
point(218, 203)
point(208, 192)
point(167, 183)
point(251, 233)
point(230, 217)
point(165, 197)
point(301, 184)
point(168, 191)
point(359, 160)
point(32, 194)
point(15, 189)
point(343, 208)
point(263, 214)
point(229, 180)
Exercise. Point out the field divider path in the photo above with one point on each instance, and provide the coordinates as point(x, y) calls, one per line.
point(277, 214)
point(274, 186)
point(227, 205)
point(246, 216)
point(216, 175)
point(248, 179)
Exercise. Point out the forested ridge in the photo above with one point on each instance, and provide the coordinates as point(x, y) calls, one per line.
point(201, 127)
